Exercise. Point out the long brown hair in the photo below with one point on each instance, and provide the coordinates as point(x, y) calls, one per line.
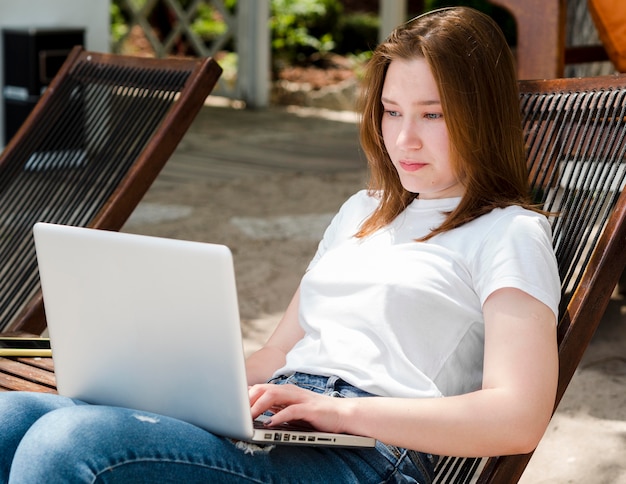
point(475, 72)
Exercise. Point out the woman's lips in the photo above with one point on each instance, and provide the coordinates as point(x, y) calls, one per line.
point(411, 166)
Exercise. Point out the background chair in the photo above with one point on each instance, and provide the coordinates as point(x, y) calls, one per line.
point(541, 50)
point(86, 155)
point(575, 133)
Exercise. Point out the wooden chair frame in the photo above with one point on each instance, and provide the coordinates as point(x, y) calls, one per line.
point(541, 34)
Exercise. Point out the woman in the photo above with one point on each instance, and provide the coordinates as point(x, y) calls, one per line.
point(429, 309)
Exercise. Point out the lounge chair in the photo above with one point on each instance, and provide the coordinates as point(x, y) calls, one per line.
point(86, 155)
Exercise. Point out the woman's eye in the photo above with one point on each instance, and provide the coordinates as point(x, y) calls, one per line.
point(433, 115)
point(392, 114)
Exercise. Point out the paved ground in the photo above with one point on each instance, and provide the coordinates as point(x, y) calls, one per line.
point(226, 143)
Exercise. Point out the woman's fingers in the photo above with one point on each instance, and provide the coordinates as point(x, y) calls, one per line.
point(290, 403)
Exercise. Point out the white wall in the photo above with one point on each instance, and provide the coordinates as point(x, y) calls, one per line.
point(91, 15)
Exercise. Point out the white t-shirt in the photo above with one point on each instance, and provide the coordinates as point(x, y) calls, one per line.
point(401, 318)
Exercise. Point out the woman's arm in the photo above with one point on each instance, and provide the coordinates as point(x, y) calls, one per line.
point(261, 365)
point(507, 416)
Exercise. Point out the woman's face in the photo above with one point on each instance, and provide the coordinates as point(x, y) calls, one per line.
point(414, 131)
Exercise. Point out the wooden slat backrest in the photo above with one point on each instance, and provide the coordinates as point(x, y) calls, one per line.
point(575, 131)
point(87, 154)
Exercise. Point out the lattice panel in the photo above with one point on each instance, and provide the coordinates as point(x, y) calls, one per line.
point(180, 19)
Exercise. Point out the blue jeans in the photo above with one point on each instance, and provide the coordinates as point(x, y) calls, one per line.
point(53, 439)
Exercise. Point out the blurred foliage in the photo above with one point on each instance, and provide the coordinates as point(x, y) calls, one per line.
point(301, 30)
point(358, 32)
point(119, 24)
point(207, 23)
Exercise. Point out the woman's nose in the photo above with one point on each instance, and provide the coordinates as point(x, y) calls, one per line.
point(409, 137)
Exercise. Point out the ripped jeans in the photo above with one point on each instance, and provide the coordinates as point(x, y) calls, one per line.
point(53, 439)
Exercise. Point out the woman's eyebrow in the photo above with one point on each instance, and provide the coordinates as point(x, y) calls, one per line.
point(426, 102)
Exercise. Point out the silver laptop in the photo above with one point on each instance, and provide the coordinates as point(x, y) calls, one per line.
point(153, 324)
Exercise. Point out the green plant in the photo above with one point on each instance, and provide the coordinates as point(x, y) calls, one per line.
point(359, 62)
point(358, 32)
point(119, 25)
point(301, 30)
point(303, 27)
point(208, 23)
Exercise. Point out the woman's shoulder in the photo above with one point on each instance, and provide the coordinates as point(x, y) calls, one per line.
point(502, 227)
point(513, 217)
point(364, 197)
point(363, 202)
point(346, 221)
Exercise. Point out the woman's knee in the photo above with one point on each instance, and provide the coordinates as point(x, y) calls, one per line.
point(75, 428)
point(30, 405)
point(62, 443)
point(18, 412)
point(87, 443)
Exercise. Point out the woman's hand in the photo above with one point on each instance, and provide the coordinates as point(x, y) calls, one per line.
point(290, 403)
